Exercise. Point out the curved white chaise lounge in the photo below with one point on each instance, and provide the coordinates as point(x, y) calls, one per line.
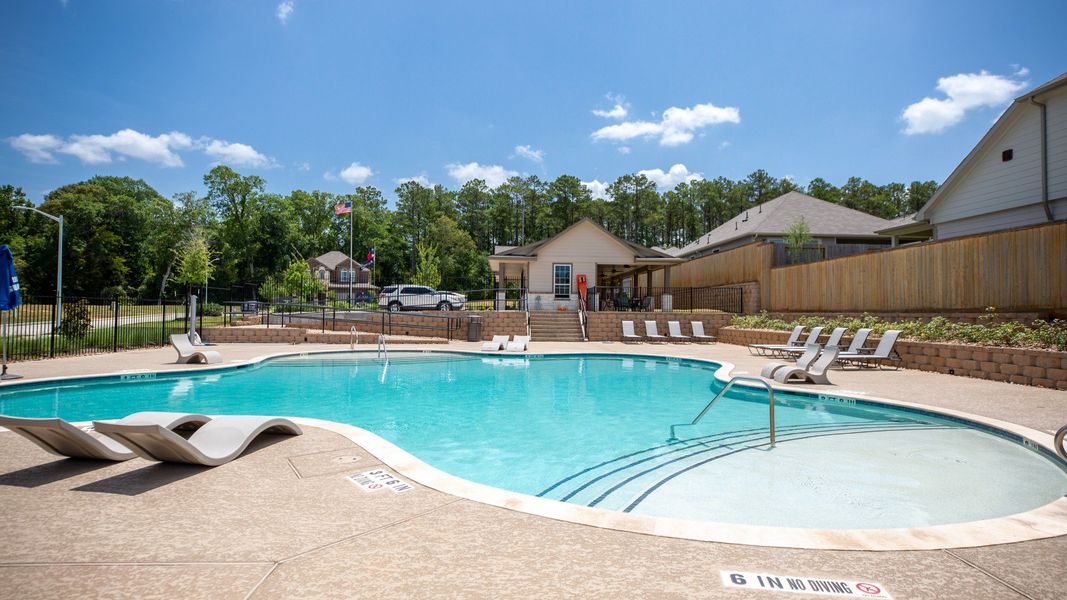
point(220, 441)
point(60, 437)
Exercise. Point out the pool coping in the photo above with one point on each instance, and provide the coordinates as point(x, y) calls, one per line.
point(1046, 521)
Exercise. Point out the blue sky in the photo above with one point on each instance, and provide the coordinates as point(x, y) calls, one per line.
point(318, 94)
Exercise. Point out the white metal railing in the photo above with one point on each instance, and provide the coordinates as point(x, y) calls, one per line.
point(382, 348)
point(1058, 442)
point(353, 337)
point(722, 392)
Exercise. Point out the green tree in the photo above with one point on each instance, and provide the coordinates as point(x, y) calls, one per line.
point(797, 237)
point(463, 266)
point(428, 272)
point(194, 264)
point(236, 200)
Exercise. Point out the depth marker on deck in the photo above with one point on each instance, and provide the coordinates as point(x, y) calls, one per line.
point(818, 586)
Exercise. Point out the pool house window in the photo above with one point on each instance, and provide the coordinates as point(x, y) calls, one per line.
point(561, 280)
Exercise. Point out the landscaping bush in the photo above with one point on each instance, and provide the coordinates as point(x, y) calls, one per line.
point(76, 320)
point(211, 309)
point(990, 331)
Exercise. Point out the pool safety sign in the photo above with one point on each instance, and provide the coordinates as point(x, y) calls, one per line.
point(813, 586)
point(379, 479)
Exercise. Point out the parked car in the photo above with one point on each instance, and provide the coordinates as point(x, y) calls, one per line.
point(419, 297)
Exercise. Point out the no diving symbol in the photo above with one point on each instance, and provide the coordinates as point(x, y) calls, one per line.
point(867, 588)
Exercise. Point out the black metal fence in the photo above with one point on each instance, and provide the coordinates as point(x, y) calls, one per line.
point(92, 325)
point(729, 299)
point(331, 318)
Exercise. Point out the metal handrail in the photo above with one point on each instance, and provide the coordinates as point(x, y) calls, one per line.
point(382, 348)
point(353, 337)
point(726, 388)
point(1058, 442)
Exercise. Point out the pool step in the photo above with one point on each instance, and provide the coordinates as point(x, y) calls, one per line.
point(624, 482)
point(552, 326)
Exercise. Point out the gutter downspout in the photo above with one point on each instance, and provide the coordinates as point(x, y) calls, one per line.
point(1044, 157)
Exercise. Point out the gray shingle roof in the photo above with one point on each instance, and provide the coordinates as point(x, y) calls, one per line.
point(774, 217)
point(530, 250)
point(332, 259)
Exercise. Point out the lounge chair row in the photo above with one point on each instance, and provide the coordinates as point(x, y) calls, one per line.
point(811, 367)
point(856, 353)
point(500, 342)
point(674, 332)
point(151, 435)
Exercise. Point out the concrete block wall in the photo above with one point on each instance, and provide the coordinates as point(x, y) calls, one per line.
point(1025, 366)
point(607, 325)
point(252, 335)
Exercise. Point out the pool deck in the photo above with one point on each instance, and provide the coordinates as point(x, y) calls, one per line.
point(283, 521)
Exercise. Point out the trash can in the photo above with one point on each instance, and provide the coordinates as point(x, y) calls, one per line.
point(474, 328)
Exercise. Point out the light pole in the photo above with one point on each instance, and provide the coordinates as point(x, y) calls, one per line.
point(59, 261)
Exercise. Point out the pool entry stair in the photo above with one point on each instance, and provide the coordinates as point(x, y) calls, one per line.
point(553, 326)
point(622, 483)
point(722, 392)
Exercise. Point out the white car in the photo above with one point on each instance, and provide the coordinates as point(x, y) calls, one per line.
point(419, 297)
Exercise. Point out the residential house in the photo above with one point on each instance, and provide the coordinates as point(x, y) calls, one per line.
point(1016, 176)
point(336, 270)
point(550, 268)
point(835, 229)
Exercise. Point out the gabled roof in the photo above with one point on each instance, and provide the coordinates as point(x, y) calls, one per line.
point(993, 134)
point(775, 217)
point(531, 250)
point(333, 259)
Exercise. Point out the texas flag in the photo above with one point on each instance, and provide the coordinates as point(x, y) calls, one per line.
point(343, 208)
point(370, 256)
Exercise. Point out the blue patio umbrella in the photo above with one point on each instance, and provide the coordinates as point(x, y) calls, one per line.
point(9, 297)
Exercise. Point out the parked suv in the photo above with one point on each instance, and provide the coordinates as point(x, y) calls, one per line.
point(419, 297)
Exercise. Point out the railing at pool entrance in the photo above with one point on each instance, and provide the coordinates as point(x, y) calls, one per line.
point(722, 392)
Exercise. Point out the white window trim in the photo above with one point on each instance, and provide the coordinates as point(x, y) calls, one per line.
point(570, 280)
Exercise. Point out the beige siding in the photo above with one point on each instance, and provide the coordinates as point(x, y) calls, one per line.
point(992, 194)
point(583, 247)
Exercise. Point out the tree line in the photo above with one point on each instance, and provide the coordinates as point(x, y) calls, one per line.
point(123, 238)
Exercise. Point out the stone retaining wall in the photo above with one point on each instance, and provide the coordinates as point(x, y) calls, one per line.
point(962, 317)
point(510, 322)
point(608, 325)
point(1042, 368)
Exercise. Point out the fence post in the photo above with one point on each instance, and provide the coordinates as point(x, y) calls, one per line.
point(115, 331)
point(163, 324)
point(52, 336)
point(324, 319)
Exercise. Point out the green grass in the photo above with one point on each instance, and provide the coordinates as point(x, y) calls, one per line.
point(102, 339)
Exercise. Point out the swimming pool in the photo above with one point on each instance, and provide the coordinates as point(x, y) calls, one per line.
point(592, 430)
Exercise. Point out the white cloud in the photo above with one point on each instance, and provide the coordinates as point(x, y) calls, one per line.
point(676, 127)
point(597, 188)
point(353, 174)
point(285, 10)
point(964, 92)
point(235, 154)
point(302, 166)
point(723, 145)
point(36, 148)
point(1020, 71)
point(419, 179)
point(162, 149)
point(619, 111)
point(624, 149)
point(537, 156)
point(492, 175)
point(677, 174)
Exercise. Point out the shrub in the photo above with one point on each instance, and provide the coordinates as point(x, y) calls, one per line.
point(212, 309)
point(991, 330)
point(76, 320)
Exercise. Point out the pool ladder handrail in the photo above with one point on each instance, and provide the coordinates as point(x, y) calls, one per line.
point(1057, 442)
point(726, 388)
point(382, 348)
point(353, 337)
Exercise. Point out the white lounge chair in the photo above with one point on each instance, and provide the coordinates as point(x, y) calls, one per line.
point(858, 340)
point(60, 437)
point(674, 331)
point(764, 349)
point(187, 353)
point(698, 331)
point(815, 373)
point(628, 331)
point(833, 340)
point(519, 343)
point(813, 338)
point(883, 352)
point(811, 351)
point(498, 343)
point(220, 441)
point(651, 332)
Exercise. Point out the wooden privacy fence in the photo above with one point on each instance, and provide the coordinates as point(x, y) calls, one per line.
point(1018, 269)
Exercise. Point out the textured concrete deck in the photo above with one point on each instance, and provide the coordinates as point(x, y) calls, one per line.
point(284, 522)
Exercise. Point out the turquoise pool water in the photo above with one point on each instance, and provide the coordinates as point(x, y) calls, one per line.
point(593, 430)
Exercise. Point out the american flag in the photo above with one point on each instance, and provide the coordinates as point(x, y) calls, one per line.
point(343, 208)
